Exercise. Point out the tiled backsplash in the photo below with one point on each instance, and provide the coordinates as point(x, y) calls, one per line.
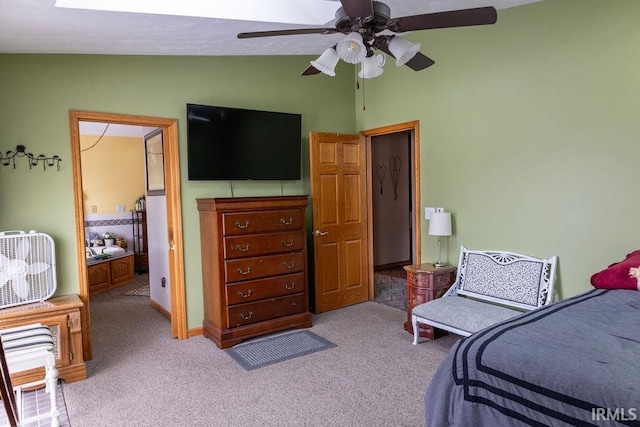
point(118, 223)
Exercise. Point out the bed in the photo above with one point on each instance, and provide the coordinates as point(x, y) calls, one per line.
point(574, 362)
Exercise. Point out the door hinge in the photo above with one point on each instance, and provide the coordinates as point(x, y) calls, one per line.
point(71, 355)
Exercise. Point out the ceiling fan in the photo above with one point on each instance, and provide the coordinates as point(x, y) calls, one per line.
point(363, 21)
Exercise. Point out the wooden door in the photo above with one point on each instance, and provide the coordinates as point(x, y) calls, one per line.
point(339, 200)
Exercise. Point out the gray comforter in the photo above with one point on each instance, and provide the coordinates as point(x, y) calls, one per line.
point(574, 362)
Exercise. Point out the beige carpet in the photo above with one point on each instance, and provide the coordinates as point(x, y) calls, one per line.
point(141, 377)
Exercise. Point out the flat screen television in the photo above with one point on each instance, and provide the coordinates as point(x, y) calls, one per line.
point(239, 144)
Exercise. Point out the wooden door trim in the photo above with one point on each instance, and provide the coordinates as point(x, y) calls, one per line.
point(174, 214)
point(413, 126)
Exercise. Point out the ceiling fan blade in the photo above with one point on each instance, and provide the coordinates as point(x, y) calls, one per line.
point(419, 62)
point(357, 8)
point(287, 32)
point(311, 70)
point(455, 18)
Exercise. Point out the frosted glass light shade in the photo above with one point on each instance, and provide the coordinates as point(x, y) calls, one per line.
point(403, 50)
point(440, 224)
point(372, 66)
point(326, 63)
point(351, 49)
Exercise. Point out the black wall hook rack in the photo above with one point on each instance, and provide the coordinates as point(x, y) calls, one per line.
point(10, 158)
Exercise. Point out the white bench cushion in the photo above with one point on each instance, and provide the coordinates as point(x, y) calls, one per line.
point(465, 314)
point(27, 347)
point(25, 338)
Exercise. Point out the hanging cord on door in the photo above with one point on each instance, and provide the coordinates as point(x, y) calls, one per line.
point(394, 166)
point(381, 171)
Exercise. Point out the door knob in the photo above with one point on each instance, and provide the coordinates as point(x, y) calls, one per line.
point(321, 233)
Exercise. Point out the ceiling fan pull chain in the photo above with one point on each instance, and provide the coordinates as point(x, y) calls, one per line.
point(363, 105)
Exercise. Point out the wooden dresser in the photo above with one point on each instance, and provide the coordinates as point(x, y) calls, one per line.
point(62, 315)
point(254, 266)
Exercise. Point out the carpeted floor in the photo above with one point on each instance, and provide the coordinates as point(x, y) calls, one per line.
point(140, 376)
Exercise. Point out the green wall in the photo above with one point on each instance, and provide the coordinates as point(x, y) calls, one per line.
point(37, 92)
point(530, 132)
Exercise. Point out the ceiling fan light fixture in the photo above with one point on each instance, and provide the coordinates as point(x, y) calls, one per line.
point(403, 50)
point(371, 66)
point(326, 63)
point(351, 49)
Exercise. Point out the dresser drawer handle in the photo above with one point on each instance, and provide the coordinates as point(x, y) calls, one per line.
point(245, 249)
point(286, 245)
point(244, 273)
point(290, 265)
point(289, 287)
point(249, 316)
point(246, 224)
point(248, 294)
point(285, 222)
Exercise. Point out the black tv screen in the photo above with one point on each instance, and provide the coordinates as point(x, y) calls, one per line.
point(239, 144)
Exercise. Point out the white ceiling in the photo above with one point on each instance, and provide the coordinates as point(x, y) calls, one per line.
point(95, 128)
point(37, 26)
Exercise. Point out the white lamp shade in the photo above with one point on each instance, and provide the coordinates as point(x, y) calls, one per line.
point(440, 224)
point(403, 50)
point(326, 63)
point(372, 66)
point(351, 49)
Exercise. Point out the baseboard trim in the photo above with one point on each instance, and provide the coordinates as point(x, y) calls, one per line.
point(160, 309)
point(194, 332)
point(190, 332)
point(399, 264)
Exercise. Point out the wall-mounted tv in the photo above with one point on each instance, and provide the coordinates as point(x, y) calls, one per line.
point(239, 144)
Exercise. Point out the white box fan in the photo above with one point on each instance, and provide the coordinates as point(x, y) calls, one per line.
point(27, 267)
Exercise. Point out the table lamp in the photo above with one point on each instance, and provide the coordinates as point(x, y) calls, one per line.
point(440, 225)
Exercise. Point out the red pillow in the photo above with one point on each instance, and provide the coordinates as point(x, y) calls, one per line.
point(620, 275)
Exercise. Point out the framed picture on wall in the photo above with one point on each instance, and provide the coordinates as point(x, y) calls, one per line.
point(154, 159)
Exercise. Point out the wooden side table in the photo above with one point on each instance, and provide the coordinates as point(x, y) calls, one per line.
point(425, 282)
point(62, 315)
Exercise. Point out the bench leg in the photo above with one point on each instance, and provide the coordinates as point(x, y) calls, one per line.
point(18, 392)
point(416, 329)
point(51, 379)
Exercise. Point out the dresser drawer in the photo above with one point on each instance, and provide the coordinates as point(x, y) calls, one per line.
point(239, 223)
point(265, 266)
point(253, 290)
point(246, 314)
point(262, 244)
